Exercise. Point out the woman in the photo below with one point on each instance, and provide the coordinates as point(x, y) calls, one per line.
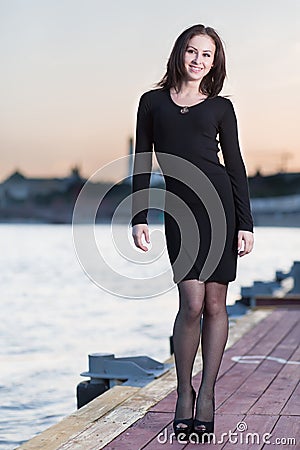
point(182, 117)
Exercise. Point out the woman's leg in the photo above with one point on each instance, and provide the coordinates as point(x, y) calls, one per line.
point(213, 341)
point(186, 338)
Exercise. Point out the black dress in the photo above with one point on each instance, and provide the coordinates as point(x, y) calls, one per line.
point(206, 203)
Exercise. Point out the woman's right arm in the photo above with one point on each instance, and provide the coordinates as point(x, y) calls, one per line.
point(142, 168)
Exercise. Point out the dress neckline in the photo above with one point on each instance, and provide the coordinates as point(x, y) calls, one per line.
point(185, 106)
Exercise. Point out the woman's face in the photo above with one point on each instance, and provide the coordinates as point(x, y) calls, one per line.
point(199, 57)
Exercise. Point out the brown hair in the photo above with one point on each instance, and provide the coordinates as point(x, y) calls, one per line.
point(212, 83)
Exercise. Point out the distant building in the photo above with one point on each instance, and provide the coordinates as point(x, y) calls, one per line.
point(47, 200)
point(17, 187)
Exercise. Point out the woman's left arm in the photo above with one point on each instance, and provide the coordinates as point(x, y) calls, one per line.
point(245, 242)
point(229, 141)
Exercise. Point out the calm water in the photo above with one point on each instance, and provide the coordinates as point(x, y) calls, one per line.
point(53, 315)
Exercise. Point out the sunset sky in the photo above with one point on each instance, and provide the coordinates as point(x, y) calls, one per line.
point(72, 72)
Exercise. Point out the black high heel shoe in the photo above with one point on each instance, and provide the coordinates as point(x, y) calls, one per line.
point(183, 433)
point(207, 427)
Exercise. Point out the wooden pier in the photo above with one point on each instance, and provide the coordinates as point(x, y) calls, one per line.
point(257, 392)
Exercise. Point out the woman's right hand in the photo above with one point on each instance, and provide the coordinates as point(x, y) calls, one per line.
point(137, 233)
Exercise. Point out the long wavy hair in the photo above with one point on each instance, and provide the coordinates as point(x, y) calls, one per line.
point(213, 82)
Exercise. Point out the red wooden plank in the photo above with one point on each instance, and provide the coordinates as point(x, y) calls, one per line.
point(258, 331)
point(239, 385)
point(286, 428)
point(255, 343)
point(273, 400)
point(225, 424)
point(241, 347)
point(249, 433)
point(167, 404)
point(292, 407)
point(165, 440)
point(266, 341)
point(278, 301)
point(252, 337)
point(251, 389)
point(248, 381)
point(141, 432)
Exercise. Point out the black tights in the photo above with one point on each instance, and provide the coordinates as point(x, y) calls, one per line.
point(197, 298)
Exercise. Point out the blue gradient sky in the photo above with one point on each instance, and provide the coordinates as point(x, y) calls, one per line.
point(73, 70)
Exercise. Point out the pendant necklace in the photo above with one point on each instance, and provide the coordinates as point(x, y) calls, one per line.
point(184, 110)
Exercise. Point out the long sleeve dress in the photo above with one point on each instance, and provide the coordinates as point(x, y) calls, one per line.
point(207, 203)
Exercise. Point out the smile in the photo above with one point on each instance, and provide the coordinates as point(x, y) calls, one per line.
point(195, 69)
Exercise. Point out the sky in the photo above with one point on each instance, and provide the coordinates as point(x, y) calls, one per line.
point(72, 72)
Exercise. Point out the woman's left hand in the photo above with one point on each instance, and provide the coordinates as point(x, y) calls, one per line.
point(246, 238)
